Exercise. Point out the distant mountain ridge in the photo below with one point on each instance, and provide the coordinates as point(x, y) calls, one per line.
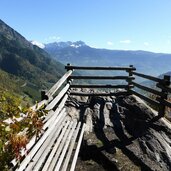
point(61, 45)
point(144, 61)
point(27, 61)
point(11, 34)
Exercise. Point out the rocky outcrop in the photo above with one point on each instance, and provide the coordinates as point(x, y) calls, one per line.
point(153, 138)
point(121, 135)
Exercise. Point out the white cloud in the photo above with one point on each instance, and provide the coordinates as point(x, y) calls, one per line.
point(52, 38)
point(126, 41)
point(110, 43)
point(146, 44)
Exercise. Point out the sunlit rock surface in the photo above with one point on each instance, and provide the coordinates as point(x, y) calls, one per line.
point(119, 134)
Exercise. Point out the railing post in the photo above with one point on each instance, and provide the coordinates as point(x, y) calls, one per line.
point(164, 83)
point(130, 85)
point(43, 95)
point(68, 79)
point(68, 64)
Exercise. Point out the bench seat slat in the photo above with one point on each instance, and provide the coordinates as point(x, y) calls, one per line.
point(45, 148)
point(77, 149)
point(56, 156)
point(56, 145)
point(71, 147)
point(67, 142)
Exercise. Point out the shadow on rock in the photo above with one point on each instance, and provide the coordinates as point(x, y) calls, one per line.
point(92, 152)
point(99, 122)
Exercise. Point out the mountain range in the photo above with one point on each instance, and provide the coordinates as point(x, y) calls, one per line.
point(26, 64)
point(78, 53)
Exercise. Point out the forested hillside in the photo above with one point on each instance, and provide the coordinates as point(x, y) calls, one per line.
point(31, 66)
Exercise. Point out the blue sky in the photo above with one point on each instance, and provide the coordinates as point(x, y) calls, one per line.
point(112, 24)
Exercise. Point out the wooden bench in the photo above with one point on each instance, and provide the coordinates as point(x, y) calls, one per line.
point(56, 145)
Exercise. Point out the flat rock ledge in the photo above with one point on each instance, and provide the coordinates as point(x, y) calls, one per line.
point(120, 134)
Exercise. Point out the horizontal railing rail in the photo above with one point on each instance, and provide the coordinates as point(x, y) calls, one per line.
point(149, 100)
point(150, 90)
point(69, 67)
point(98, 86)
point(166, 103)
point(99, 94)
point(149, 77)
point(166, 88)
point(102, 77)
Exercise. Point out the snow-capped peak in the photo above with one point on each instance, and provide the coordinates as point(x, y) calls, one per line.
point(75, 46)
point(78, 44)
point(61, 45)
point(40, 45)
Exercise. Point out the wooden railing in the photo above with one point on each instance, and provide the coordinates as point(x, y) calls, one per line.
point(161, 94)
point(126, 86)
